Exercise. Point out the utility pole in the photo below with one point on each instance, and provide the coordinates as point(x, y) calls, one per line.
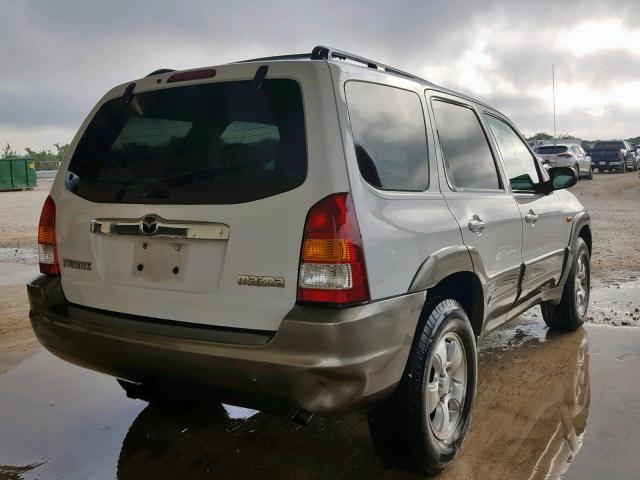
point(553, 90)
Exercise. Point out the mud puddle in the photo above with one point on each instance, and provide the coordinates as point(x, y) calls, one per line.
point(548, 406)
point(616, 301)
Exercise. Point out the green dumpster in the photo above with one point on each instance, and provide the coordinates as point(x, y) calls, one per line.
point(17, 173)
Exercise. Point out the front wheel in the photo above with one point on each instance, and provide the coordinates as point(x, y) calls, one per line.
point(422, 425)
point(590, 175)
point(570, 313)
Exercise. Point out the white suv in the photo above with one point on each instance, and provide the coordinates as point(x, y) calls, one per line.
point(568, 155)
point(305, 234)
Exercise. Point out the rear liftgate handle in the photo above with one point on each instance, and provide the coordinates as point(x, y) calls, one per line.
point(476, 224)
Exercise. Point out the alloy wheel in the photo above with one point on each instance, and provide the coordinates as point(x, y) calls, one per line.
point(582, 284)
point(446, 386)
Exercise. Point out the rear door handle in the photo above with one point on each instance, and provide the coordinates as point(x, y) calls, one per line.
point(476, 224)
point(531, 217)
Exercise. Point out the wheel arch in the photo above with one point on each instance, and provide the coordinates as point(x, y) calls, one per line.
point(585, 234)
point(451, 273)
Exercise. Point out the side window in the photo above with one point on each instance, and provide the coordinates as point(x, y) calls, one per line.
point(389, 134)
point(518, 161)
point(467, 156)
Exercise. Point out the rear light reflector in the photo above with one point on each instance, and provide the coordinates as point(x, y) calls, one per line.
point(332, 266)
point(565, 155)
point(192, 75)
point(47, 248)
point(326, 276)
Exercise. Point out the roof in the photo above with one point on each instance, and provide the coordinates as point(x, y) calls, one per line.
point(347, 59)
point(330, 54)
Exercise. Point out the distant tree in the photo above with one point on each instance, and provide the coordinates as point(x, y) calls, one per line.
point(61, 150)
point(541, 136)
point(48, 155)
point(42, 155)
point(566, 136)
point(8, 152)
point(634, 140)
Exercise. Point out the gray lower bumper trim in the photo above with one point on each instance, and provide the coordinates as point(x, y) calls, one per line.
point(352, 357)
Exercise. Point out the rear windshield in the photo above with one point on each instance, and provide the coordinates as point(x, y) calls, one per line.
point(551, 149)
point(608, 146)
point(215, 143)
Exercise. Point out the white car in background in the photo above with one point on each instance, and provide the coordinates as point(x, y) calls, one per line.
point(565, 155)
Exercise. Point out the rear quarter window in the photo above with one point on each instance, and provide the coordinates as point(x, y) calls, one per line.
point(389, 134)
point(215, 143)
point(608, 146)
point(551, 150)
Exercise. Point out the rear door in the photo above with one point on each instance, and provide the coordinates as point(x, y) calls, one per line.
point(484, 208)
point(545, 232)
point(187, 202)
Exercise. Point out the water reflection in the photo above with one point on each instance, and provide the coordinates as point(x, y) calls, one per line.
point(530, 418)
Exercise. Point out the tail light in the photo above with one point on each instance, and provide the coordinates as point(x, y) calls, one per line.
point(565, 155)
point(332, 267)
point(47, 249)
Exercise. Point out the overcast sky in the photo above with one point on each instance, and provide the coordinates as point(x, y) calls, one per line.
point(57, 58)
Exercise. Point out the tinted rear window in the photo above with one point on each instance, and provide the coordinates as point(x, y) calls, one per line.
point(389, 134)
point(550, 150)
point(608, 146)
point(215, 143)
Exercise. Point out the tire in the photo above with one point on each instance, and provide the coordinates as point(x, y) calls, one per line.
point(590, 175)
point(577, 170)
point(571, 312)
point(402, 428)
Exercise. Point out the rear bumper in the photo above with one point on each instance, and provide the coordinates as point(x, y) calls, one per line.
point(320, 360)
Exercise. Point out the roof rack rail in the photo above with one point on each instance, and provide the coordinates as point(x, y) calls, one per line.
point(293, 56)
point(327, 53)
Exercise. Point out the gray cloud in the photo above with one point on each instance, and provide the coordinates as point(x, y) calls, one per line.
point(59, 57)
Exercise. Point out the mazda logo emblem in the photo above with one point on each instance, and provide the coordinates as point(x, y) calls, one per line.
point(149, 225)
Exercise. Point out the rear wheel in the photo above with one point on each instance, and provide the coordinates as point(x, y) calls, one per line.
point(590, 174)
point(422, 425)
point(570, 313)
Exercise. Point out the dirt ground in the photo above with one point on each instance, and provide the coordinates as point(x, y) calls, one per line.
point(16, 337)
point(19, 215)
point(613, 200)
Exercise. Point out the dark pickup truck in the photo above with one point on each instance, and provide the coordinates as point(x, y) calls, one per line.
point(617, 155)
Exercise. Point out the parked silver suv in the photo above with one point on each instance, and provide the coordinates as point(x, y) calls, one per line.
point(306, 234)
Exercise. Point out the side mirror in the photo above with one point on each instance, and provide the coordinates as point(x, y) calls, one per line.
point(562, 177)
point(559, 178)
